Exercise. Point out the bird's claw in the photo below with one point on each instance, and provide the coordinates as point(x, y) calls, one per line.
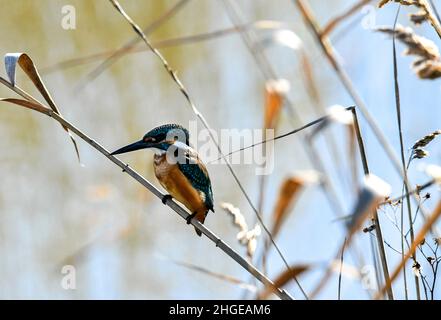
point(165, 198)
point(191, 216)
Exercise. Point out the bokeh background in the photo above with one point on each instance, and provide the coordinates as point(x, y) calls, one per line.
point(119, 237)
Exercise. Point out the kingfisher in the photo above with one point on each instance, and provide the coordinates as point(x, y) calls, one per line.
point(178, 169)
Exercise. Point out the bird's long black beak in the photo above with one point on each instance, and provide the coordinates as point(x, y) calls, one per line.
point(134, 146)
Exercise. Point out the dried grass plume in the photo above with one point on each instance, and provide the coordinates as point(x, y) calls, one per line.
point(428, 62)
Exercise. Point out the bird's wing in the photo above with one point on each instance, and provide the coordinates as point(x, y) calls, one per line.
point(196, 172)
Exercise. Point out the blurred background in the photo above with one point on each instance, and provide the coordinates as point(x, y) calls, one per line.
point(119, 237)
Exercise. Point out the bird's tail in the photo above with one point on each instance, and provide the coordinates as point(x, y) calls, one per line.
point(200, 216)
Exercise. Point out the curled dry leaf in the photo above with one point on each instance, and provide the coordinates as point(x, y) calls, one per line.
point(275, 91)
point(340, 114)
point(335, 113)
point(373, 192)
point(346, 270)
point(28, 66)
point(283, 279)
point(284, 37)
point(288, 192)
point(428, 62)
point(434, 172)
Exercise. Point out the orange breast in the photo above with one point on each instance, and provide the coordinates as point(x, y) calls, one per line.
point(178, 186)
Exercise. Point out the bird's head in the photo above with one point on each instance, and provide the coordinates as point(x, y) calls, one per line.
point(160, 138)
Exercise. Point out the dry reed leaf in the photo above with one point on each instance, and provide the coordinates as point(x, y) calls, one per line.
point(29, 68)
point(428, 62)
point(434, 172)
point(275, 91)
point(335, 113)
point(287, 38)
point(347, 270)
point(288, 193)
point(340, 114)
point(27, 104)
point(310, 82)
point(282, 280)
point(373, 192)
point(283, 37)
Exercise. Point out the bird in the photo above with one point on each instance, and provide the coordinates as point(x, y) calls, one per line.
point(178, 168)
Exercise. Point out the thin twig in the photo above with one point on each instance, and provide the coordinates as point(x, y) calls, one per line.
point(403, 161)
point(338, 19)
point(435, 11)
point(341, 268)
point(412, 192)
point(166, 43)
point(418, 239)
point(284, 135)
point(400, 134)
point(92, 75)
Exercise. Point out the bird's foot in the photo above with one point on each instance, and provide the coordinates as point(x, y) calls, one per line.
point(191, 216)
point(165, 198)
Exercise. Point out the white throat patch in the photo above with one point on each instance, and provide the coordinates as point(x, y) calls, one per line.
point(159, 152)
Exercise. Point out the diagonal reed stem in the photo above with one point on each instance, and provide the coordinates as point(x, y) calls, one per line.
point(184, 91)
point(282, 294)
